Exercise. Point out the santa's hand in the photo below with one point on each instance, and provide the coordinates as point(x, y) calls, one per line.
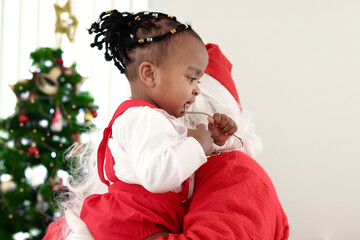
point(221, 127)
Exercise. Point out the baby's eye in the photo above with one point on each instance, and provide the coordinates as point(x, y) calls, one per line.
point(191, 79)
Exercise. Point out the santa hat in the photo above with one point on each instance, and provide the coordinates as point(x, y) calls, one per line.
point(218, 91)
point(219, 68)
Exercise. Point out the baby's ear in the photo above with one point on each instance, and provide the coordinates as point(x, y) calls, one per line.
point(146, 73)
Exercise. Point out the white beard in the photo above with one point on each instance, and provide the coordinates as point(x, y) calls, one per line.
point(215, 98)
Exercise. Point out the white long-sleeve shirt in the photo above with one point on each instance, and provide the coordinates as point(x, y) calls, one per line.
point(152, 151)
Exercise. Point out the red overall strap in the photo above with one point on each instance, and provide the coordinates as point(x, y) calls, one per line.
point(104, 150)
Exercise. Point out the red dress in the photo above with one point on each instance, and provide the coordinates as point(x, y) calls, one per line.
point(129, 211)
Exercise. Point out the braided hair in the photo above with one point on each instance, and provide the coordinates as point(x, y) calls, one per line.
point(123, 34)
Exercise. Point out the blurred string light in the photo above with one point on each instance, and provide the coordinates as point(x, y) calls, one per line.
point(25, 236)
point(5, 177)
point(56, 138)
point(48, 63)
point(25, 95)
point(25, 141)
point(80, 117)
point(21, 236)
point(36, 175)
point(44, 123)
point(10, 144)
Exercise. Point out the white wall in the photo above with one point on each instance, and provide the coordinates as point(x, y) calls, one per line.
point(297, 68)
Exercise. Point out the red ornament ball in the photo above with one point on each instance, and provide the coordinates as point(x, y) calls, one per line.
point(23, 118)
point(33, 150)
point(94, 113)
point(59, 60)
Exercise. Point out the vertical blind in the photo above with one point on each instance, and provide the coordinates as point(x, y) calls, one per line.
point(26, 25)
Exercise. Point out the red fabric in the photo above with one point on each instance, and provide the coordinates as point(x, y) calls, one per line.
point(129, 211)
point(233, 199)
point(103, 149)
point(54, 230)
point(219, 67)
point(109, 166)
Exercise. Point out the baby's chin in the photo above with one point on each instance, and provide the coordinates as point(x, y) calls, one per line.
point(181, 114)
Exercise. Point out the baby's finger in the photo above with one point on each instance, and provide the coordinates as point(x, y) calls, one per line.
point(217, 118)
point(227, 129)
point(224, 122)
point(233, 130)
point(211, 125)
point(200, 126)
point(211, 120)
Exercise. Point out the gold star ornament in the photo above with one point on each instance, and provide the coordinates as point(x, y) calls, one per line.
point(65, 21)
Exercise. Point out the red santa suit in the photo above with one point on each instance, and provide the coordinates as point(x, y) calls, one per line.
point(233, 199)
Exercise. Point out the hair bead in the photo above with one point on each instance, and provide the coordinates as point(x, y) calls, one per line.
point(141, 40)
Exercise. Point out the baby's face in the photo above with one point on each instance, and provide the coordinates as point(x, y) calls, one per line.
point(177, 81)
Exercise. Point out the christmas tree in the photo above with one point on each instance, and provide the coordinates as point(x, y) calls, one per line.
point(50, 115)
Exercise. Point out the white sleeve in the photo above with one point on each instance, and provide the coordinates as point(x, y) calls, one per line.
point(160, 158)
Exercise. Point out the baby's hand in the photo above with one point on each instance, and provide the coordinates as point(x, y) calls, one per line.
point(221, 127)
point(203, 136)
